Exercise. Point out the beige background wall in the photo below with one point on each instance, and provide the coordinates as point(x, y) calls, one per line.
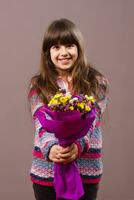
point(108, 29)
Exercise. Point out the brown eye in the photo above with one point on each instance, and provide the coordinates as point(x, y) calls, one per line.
point(56, 47)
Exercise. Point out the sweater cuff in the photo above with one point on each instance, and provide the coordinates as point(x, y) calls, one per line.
point(83, 146)
point(79, 149)
point(80, 144)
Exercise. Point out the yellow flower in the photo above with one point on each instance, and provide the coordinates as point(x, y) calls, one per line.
point(71, 108)
point(58, 95)
point(87, 108)
point(68, 96)
point(63, 99)
point(81, 105)
point(90, 98)
point(53, 102)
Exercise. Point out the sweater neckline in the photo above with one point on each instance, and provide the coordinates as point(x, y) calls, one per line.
point(65, 84)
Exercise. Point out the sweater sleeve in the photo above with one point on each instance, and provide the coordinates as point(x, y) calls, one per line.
point(44, 140)
point(103, 92)
point(83, 144)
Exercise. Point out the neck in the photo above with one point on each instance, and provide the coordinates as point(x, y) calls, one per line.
point(63, 73)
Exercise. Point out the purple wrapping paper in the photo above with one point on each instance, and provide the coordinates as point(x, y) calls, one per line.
point(68, 127)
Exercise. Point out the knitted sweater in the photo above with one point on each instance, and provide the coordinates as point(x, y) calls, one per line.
point(89, 159)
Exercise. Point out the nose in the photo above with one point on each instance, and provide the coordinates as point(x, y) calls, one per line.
point(63, 51)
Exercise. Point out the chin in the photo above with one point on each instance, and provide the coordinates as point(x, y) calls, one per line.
point(64, 68)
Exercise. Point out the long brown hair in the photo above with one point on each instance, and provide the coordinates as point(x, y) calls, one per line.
point(63, 31)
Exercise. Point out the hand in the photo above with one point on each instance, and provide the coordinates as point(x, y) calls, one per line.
point(68, 154)
point(63, 155)
point(54, 154)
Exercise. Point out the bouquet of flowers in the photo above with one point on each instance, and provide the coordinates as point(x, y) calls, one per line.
point(70, 118)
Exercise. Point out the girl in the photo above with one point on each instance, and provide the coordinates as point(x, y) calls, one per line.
point(64, 66)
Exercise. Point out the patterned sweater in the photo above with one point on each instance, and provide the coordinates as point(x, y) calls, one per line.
point(89, 159)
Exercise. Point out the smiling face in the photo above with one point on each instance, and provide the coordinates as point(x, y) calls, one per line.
point(63, 56)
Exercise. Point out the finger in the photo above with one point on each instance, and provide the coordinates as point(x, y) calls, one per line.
point(70, 159)
point(60, 160)
point(67, 149)
point(65, 155)
point(67, 160)
point(68, 155)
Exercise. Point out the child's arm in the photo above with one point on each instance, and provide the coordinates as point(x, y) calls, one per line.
point(83, 144)
point(103, 92)
point(43, 139)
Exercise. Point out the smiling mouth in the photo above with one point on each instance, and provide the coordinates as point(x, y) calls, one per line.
point(65, 58)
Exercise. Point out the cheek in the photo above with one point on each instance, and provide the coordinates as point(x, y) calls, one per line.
point(52, 56)
point(76, 55)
